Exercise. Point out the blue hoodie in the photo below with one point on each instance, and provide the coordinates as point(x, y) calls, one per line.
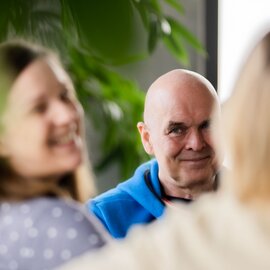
point(130, 202)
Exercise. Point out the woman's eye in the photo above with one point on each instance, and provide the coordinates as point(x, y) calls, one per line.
point(41, 108)
point(64, 95)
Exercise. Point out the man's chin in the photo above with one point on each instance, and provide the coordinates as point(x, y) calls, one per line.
point(197, 177)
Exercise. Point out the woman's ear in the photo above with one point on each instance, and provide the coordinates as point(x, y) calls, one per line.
point(3, 150)
point(145, 137)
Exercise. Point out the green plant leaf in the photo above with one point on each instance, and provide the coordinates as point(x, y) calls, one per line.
point(176, 5)
point(91, 36)
point(5, 7)
point(154, 34)
point(109, 30)
point(181, 30)
point(155, 6)
point(175, 46)
point(144, 14)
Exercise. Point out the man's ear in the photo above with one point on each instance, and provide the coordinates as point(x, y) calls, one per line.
point(145, 137)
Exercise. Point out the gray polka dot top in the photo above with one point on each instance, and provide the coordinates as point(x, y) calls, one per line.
point(44, 233)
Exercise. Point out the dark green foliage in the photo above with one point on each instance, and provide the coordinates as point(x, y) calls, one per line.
point(93, 36)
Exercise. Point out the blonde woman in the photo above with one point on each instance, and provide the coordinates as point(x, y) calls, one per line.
point(226, 230)
point(43, 164)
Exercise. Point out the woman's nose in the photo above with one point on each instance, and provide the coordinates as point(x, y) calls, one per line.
point(64, 113)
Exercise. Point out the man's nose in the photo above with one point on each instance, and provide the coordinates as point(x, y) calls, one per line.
point(195, 141)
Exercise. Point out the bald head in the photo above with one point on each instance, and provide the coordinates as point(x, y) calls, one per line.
point(176, 130)
point(176, 84)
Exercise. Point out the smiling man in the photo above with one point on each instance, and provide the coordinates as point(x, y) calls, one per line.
point(177, 132)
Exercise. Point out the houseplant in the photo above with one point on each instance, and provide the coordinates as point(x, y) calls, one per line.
point(93, 37)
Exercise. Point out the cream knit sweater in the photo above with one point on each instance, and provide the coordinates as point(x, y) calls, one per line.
point(216, 232)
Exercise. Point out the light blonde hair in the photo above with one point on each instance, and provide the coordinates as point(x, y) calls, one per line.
point(15, 56)
point(247, 128)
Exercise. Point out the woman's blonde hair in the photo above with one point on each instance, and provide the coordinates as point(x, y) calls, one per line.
point(15, 56)
point(246, 122)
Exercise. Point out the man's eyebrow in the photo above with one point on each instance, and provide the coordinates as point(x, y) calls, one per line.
point(205, 123)
point(176, 123)
point(172, 124)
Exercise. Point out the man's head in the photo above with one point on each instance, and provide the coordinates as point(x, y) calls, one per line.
point(176, 130)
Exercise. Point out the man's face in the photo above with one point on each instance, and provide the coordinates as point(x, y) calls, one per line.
point(179, 136)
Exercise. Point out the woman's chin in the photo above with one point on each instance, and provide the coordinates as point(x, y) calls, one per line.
point(70, 164)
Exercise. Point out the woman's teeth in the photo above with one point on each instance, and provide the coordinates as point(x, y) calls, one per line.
point(65, 139)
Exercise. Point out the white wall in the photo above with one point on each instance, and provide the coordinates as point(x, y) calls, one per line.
point(241, 23)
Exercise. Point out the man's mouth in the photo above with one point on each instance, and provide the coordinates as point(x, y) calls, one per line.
point(196, 158)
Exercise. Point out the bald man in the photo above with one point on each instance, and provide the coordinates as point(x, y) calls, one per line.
point(176, 131)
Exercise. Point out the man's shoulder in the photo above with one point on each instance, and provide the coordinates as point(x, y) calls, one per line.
point(110, 196)
point(125, 189)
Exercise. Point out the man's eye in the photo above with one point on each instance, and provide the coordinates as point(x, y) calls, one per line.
point(177, 130)
point(205, 125)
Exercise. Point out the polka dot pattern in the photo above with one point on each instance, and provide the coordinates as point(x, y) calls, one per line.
point(32, 232)
point(52, 232)
point(48, 253)
point(28, 222)
point(14, 236)
point(57, 212)
point(25, 209)
point(65, 254)
point(3, 249)
point(45, 233)
point(13, 265)
point(71, 233)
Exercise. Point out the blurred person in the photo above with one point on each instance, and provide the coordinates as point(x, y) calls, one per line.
point(229, 229)
point(43, 163)
point(176, 131)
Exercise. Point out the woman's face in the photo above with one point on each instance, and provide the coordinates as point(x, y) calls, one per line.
point(42, 123)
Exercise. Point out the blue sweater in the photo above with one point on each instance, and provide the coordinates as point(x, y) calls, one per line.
point(130, 202)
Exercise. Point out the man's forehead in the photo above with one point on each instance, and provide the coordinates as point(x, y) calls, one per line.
point(186, 117)
point(178, 89)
